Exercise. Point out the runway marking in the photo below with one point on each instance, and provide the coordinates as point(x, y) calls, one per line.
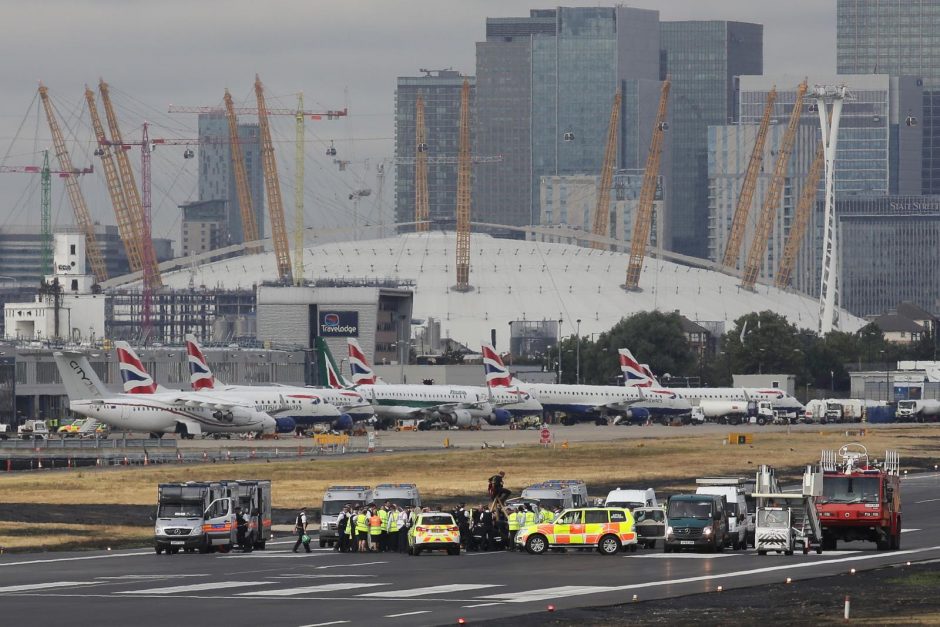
point(925, 501)
point(45, 586)
point(540, 594)
point(198, 587)
point(566, 591)
point(685, 556)
point(75, 559)
point(483, 604)
point(350, 565)
point(148, 577)
point(418, 592)
point(327, 587)
point(332, 622)
point(306, 576)
point(910, 530)
point(408, 614)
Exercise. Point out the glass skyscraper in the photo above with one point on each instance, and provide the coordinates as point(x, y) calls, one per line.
point(900, 38)
point(441, 91)
point(702, 59)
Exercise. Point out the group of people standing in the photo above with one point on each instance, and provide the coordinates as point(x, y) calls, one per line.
point(482, 529)
point(372, 528)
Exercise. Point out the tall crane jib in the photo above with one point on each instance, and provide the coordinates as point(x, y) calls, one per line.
point(754, 166)
point(463, 192)
point(299, 193)
point(765, 224)
point(242, 189)
point(644, 209)
point(422, 206)
point(125, 223)
point(602, 209)
point(77, 199)
point(801, 218)
point(273, 187)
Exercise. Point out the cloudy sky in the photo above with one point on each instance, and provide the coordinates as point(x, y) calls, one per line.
point(337, 52)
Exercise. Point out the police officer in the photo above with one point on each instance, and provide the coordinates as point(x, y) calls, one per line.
point(300, 526)
point(486, 522)
point(341, 520)
point(362, 529)
point(383, 532)
point(391, 528)
point(241, 523)
point(514, 524)
point(546, 515)
point(529, 516)
point(350, 531)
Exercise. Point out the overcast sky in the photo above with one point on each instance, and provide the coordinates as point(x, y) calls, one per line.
point(156, 52)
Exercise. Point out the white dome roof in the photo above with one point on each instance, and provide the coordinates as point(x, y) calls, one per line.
point(516, 280)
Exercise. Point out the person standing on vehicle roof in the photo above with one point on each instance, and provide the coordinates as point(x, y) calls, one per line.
point(341, 520)
point(300, 526)
point(496, 489)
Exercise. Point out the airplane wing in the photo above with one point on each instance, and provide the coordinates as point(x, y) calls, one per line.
point(198, 399)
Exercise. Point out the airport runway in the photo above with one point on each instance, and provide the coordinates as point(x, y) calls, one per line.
point(278, 587)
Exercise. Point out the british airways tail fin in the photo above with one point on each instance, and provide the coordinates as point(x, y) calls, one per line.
point(635, 374)
point(136, 378)
point(362, 373)
point(200, 375)
point(496, 373)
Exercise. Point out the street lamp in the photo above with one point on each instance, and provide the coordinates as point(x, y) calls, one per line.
point(885, 360)
point(577, 359)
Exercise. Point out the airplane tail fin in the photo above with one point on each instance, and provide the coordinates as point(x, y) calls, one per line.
point(80, 379)
point(633, 374)
point(362, 372)
point(200, 375)
point(136, 378)
point(649, 375)
point(329, 375)
point(497, 375)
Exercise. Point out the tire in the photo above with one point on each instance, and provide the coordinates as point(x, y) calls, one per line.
point(788, 552)
point(158, 549)
point(205, 547)
point(761, 552)
point(651, 544)
point(225, 548)
point(322, 543)
point(536, 544)
point(415, 551)
point(609, 545)
point(760, 421)
point(453, 552)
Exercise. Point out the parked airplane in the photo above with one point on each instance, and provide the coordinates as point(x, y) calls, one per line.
point(599, 403)
point(306, 405)
point(154, 411)
point(715, 403)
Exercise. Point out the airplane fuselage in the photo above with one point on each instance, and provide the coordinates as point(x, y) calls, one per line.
point(590, 401)
point(156, 415)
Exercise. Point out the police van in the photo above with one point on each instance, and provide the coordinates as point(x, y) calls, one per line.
point(564, 493)
point(334, 499)
point(401, 494)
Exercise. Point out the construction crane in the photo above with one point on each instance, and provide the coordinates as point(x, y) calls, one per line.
point(765, 224)
point(129, 185)
point(602, 210)
point(273, 187)
point(463, 192)
point(82, 217)
point(644, 207)
point(45, 200)
point(249, 224)
point(743, 209)
point(801, 217)
point(146, 233)
point(299, 194)
point(127, 226)
point(422, 205)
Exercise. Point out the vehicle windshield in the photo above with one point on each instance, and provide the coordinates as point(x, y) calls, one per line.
point(438, 519)
point(403, 502)
point(332, 508)
point(906, 404)
point(630, 505)
point(772, 518)
point(654, 515)
point(690, 509)
point(850, 489)
point(179, 510)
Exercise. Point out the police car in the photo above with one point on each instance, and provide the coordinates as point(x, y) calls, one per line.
point(434, 531)
point(609, 529)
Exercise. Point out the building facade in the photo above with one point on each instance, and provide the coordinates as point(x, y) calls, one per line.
point(702, 59)
point(441, 90)
point(900, 39)
point(546, 85)
point(205, 226)
point(889, 252)
point(217, 174)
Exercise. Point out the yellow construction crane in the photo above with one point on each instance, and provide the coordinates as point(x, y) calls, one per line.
point(743, 209)
point(273, 187)
point(242, 189)
point(82, 217)
point(765, 224)
point(801, 217)
point(422, 207)
point(131, 193)
point(602, 209)
point(127, 228)
point(299, 194)
point(644, 207)
point(463, 192)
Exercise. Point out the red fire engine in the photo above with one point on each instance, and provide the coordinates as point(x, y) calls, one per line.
point(861, 498)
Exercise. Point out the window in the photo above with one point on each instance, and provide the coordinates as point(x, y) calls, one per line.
point(617, 516)
point(569, 518)
point(595, 516)
point(72, 249)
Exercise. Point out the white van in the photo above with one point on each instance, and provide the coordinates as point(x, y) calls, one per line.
point(564, 493)
point(401, 494)
point(631, 499)
point(735, 508)
point(333, 501)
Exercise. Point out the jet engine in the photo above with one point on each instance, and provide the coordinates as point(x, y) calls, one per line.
point(462, 418)
point(284, 425)
point(343, 423)
point(637, 415)
point(500, 417)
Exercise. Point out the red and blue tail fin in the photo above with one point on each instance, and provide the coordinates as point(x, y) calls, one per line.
point(362, 373)
point(200, 375)
point(136, 378)
point(633, 371)
point(497, 374)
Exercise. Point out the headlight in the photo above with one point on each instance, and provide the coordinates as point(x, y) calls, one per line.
point(668, 531)
point(707, 531)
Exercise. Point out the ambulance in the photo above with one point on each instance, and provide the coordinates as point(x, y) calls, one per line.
point(609, 529)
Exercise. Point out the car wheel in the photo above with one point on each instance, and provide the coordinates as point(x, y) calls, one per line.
point(536, 544)
point(225, 548)
point(609, 545)
point(453, 551)
point(761, 552)
point(788, 552)
point(158, 549)
point(667, 548)
point(416, 551)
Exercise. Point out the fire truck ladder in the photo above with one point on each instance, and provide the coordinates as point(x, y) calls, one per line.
point(804, 520)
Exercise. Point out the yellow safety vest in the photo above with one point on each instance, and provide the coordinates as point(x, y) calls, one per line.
point(383, 516)
point(362, 523)
point(529, 518)
point(514, 521)
point(546, 516)
point(375, 525)
point(392, 523)
point(349, 525)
